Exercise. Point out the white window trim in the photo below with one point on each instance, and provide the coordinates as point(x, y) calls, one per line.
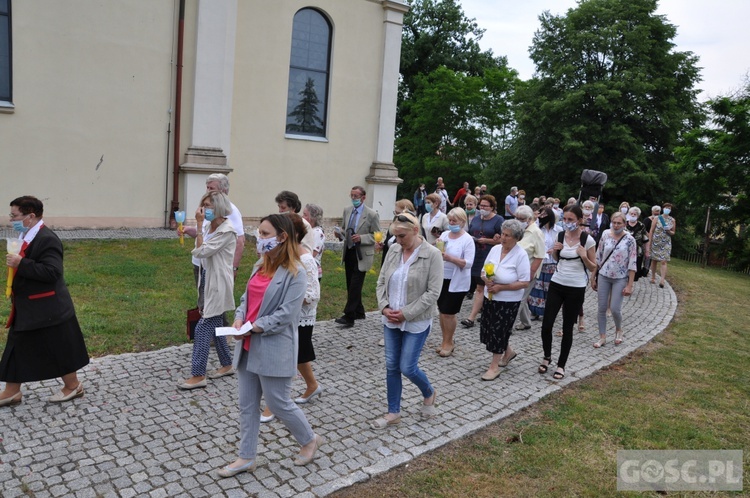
point(7, 107)
point(309, 138)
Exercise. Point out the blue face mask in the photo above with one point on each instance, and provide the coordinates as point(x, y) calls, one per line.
point(18, 226)
point(570, 226)
point(356, 202)
point(454, 228)
point(428, 207)
point(209, 214)
point(667, 211)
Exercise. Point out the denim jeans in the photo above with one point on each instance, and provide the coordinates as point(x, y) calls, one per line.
point(402, 351)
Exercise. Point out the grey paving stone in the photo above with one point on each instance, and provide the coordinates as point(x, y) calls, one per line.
point(115, 443)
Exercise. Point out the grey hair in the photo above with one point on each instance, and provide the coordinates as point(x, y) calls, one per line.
point(656, 208)
point(636, 210)
point(525, 212)
point(222, 206)
point(515, 227)
point(315, 212)
point(587, 203)
point(222, 179)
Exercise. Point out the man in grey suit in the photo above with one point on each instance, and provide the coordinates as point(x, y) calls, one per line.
point(360, 223)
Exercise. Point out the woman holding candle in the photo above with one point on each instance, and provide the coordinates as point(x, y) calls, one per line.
point(434, 222)
point(44, 340)
point(266, 358)
point(214, 249)
point(506, 275)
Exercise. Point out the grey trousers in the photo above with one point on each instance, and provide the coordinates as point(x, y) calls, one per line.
point(610, 287)
point(276, 391)
point(524, 315)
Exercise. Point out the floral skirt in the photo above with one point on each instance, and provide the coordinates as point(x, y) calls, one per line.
point(496, 324)
point(538, 296)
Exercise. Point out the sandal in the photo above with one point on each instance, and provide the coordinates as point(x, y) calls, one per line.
point(544, 367)
point(467, 323)
point(444, 353)
point(559, 375)
point(601, 342)
point(559, 333)
point(383, 423)
point(618, 337)
point(428, 411)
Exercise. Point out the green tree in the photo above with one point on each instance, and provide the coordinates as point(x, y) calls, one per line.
point(452, 97)
point(610, 93)
point(714, 166)
point(454, 121)
point(306, 113)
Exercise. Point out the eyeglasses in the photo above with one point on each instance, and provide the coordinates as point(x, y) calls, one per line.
point(16, 216)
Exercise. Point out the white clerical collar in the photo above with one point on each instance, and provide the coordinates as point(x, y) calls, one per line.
point(31, 233)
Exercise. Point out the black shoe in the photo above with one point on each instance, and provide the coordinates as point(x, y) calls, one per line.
point(345, 322)
point(360, 317)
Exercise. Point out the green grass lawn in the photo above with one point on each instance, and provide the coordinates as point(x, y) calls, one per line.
point(132, 295)
point(688, 389)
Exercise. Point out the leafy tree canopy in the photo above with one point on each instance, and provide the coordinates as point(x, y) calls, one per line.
point(611, 94)
point(714, 166)
point(453, 97)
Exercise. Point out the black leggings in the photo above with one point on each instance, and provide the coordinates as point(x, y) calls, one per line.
point(571, 301)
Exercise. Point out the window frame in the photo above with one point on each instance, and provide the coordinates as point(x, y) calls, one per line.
point(6, 101)
point(327, 75)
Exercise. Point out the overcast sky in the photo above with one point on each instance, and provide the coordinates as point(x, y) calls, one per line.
point(714, 30)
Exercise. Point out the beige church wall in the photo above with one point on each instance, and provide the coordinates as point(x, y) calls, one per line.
point(92, 83)
point(265, 161)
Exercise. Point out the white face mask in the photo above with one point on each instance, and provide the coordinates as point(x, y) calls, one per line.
point(587, 212)
point(524, 224)
point(265, 245)
point(624, 210)
point(630, 217)
point(484, 212)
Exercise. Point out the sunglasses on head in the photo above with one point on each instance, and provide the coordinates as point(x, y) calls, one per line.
point(403, 218)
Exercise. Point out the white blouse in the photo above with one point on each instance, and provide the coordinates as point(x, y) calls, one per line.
point(461, 248)
point(514, 267)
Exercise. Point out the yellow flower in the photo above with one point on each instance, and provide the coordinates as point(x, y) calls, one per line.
point(489, 269)
point(378, 237)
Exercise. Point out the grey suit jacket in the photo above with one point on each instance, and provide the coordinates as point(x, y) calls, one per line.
point(273, 353)
point(369, 223)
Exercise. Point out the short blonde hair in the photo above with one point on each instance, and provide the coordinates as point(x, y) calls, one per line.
point(617, 214)
point(398, 222)
point(459, 214)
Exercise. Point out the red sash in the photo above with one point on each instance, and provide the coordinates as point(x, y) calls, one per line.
point(12, 315)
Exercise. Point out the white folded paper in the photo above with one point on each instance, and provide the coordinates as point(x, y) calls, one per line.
point(223, 331)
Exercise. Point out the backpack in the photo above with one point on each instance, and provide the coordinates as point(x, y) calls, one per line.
point(582, 240)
